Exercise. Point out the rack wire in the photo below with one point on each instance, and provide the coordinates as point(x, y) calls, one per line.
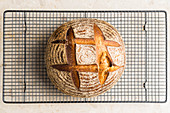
point(25, 34)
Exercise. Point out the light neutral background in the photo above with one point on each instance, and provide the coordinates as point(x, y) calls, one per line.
point(83, 5)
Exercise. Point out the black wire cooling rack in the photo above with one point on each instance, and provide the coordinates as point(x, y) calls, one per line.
point(25, 35)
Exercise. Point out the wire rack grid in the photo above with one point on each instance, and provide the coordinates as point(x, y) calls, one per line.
point(25, 34)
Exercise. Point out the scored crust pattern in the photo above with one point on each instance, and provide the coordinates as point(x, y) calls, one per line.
point(90, 85)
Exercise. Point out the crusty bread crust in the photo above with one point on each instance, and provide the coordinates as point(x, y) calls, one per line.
point(90, 85)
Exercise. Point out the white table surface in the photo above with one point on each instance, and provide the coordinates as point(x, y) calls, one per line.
point(83, 5)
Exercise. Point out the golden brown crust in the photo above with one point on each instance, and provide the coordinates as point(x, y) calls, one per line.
point(71, 57)
point(85, 83)
point(70, 47)
point(79, 68)
point(111, 43)
point(104, 59)
point(85, 41)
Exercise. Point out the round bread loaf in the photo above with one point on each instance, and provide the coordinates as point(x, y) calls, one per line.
point(85, 57)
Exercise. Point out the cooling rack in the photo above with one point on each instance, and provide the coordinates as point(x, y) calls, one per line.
point(25, 35)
